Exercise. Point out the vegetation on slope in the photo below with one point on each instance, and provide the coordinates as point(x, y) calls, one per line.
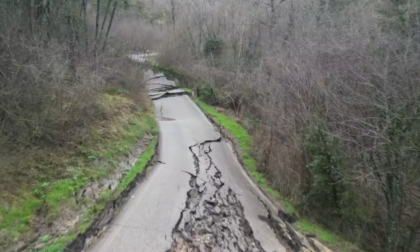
point(246, 143)
point(71, 106)
point(328, 90)
point(65, 171)
point(59, 244)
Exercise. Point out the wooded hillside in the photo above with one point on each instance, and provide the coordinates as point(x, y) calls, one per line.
point(71, 105)
point(330, 91)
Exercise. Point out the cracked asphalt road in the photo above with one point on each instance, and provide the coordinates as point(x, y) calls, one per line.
point(197, 198)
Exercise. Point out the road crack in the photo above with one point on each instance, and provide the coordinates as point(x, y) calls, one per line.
point(213, 218)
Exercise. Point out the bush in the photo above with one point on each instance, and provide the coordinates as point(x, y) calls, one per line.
point(40, 100)
point(326, 169)
point(207, 93)
point(50, 85)
point(213, 47)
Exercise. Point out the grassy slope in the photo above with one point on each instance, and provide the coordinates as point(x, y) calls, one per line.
point(245, 142)
point(112, 139)
point(60, 244)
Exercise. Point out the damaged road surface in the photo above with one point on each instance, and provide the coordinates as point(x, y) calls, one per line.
point(198, 198)
point(213, 217)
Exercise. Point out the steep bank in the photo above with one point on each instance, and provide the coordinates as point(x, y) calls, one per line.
point(69, 186)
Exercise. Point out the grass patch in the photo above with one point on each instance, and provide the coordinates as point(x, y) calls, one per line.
point(138, 167)
point(310, 227)
point(245, 143)
point(244, 140)
point(111, 90)
point(189, 90)
point(327, 237)
point(60, 244)
point(62, 190)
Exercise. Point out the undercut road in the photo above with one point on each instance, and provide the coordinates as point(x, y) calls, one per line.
point(198, 198)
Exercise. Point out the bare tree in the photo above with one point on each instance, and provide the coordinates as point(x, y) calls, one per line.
point(173, 13)
point(332, 86)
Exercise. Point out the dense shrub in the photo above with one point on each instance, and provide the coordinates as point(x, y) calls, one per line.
point(213, 47)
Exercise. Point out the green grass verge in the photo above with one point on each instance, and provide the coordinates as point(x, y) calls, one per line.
point(60, 244)
point(189, 90)
point(327, 237)
point(138, 167)
point(245, 142)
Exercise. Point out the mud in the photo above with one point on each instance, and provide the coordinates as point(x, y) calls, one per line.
point(213, 218)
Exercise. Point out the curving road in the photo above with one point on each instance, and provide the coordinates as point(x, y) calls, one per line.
point(198, 198)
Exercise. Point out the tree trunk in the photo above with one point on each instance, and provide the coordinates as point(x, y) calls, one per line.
point(95, 49)
point(173, 13)
point(109, 25)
